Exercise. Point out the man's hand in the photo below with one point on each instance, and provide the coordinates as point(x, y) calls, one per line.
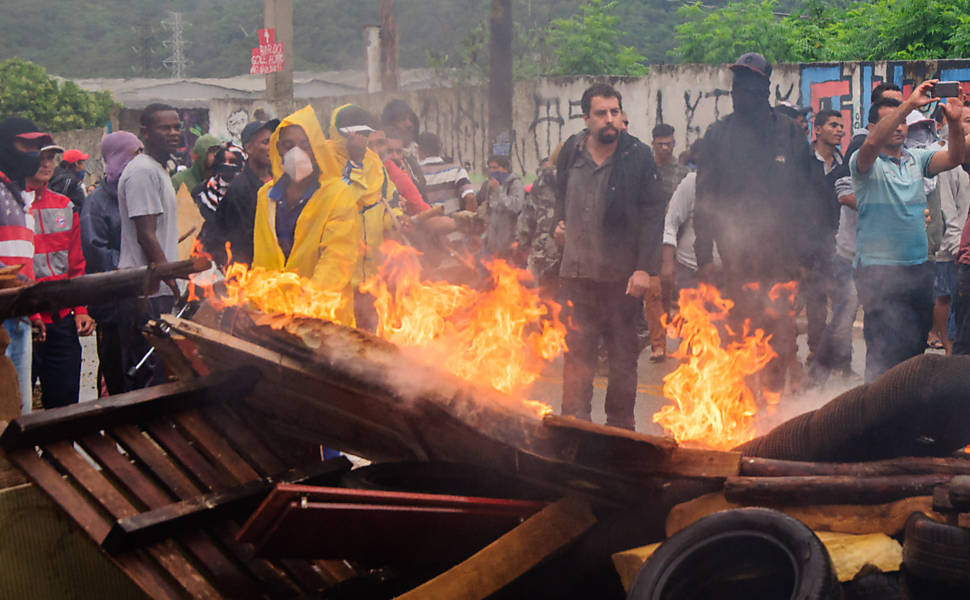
point(560, 234)
point(921, 94)
point(39, 330)
point(356, 147)
point(953, 109)
point(637, 284)
point(493, 183)
point(85, 324)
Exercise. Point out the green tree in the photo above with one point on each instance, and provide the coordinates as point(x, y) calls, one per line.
point(26, 90)
point(588, 43)
point(724, 34)
point(825, 31)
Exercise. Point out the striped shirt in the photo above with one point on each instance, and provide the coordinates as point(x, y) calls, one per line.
point(446, 184)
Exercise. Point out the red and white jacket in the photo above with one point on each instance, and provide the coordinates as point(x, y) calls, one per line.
point(57, 242)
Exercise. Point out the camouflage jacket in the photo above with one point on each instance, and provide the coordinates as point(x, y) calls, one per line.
point(536, 224)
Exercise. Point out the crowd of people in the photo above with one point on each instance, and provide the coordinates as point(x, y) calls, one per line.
point(611, 228)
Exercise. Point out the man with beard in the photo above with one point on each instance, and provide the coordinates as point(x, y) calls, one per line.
point(236, 214)
point(754, 201)
point(149, 224)
point(20, 145)
point(610, 213)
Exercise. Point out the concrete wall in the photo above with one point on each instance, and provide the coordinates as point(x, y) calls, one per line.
point(688, 97)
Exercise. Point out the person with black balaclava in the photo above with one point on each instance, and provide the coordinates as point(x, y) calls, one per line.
point(20, 144)
point(753, 201)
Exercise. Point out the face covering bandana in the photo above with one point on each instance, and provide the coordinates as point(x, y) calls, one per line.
point(297, 164)
point(500, 176)
point(19, 165)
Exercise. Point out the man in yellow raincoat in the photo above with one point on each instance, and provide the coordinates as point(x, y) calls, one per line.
point(351, 125)
point(307, 217)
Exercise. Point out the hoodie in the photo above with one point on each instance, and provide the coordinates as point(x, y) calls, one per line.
point(369, 182)
point(327, 234)
point(194, 175)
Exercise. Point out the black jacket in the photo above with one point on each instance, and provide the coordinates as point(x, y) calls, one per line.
point(635, 205)
point(756, 200)
point(101, 240)
point(236, 214)
point(63, 181)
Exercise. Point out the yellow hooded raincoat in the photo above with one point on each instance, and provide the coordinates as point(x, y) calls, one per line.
point(369, 183)
point(327, 235)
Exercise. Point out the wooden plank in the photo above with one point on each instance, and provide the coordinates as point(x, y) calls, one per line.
point(98, 288)
point(156, 585)
point(171, 559)
point(215, 446)
point(889, 518)
point(156, 460)
point(752, 466)
point(245, 441)
point(223, 571)
point(139, 484)
point(169, 519)
point(177, 446)
point(508, 557)
point(77, 419)
point(794, 491)
point(61, 492)
point(274, 580)
point(94, 482)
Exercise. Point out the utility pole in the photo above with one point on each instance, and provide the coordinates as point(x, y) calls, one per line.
point(500, 77)
point(279, 86)
point(390, 79)
point(177, 44)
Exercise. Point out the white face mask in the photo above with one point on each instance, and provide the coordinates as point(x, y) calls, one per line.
point(297, 164)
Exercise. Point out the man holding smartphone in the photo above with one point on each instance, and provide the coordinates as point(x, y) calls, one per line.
point(892, 274)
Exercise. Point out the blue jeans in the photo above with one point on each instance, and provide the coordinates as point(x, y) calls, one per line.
point(20, 352)
point(835, 346)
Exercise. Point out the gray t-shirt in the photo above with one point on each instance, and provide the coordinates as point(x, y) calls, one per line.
point(146, 189)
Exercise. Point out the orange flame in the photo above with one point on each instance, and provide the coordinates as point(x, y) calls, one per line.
point(500, 337)
point(713, 404)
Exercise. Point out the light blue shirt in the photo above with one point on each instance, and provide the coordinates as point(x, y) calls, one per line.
point(891, 200)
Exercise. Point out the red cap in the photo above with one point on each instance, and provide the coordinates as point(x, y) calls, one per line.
point(73, 155)
point(36, 135)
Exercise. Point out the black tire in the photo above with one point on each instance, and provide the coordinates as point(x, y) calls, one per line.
point(739, 554)
point(937, 552)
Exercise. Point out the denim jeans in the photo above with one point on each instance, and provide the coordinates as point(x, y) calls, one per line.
point(898, 305)
point(20, 352)
point(835, 347)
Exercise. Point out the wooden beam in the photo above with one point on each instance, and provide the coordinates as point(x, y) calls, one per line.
point(794, 491)
point(510, 556)
point(78, 419)
point(112, 286)
point(154, 525)
point(767, 467)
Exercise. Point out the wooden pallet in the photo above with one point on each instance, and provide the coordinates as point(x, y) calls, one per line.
point(161, 479)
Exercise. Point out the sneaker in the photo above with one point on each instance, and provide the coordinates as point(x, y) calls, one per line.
point(658, 355)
